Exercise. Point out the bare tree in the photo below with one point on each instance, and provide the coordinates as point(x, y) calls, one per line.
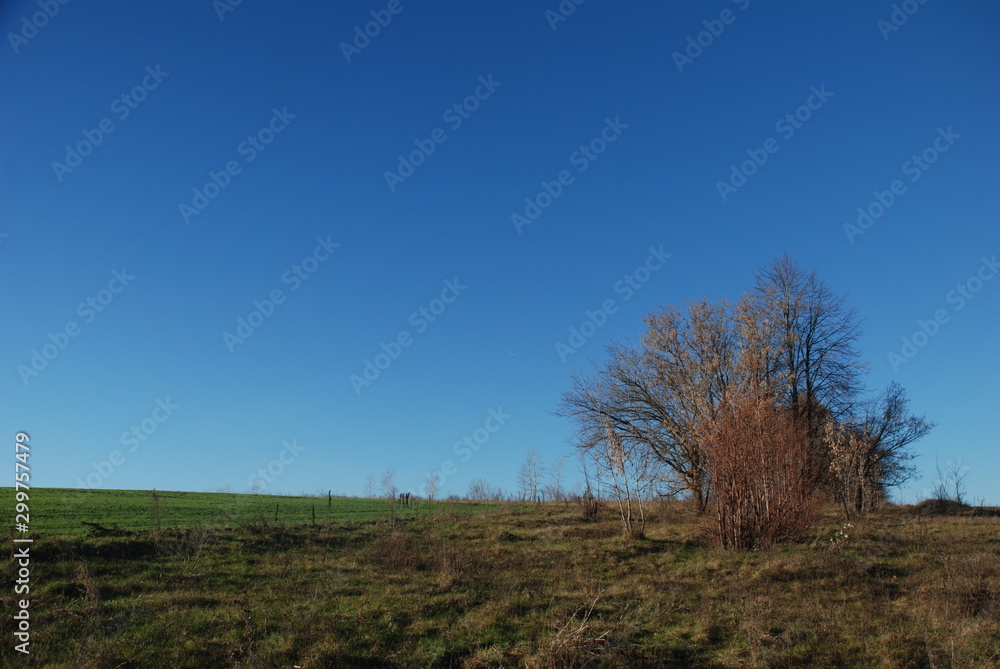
point(693, 358)
point(849, 470)
point(529, 477)
point(892, 429)
point(389, 484)
point(370, 486)
point(809, 336)
point(869, 452)
point(660, 396)
point(432, 486)
point(630, 476)
point(557, 473)
point(790, 341)
point(480, 490)
point(950, 484)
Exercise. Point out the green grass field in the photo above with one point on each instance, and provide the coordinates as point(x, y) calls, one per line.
point(63, 511)
point(512, 585)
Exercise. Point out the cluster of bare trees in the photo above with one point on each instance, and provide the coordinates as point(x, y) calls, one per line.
point(532, 477)
point(757, 404)
point(529, 477)
point(629, 476)
point(950, 484)
point(536, 483)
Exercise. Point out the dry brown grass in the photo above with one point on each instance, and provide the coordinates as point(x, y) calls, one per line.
point(531, 586)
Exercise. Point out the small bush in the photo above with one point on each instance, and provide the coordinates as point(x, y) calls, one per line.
point(943, 507)
point(587, 505)
point(761, 475)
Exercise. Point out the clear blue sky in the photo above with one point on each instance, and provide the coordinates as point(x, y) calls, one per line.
point(213, 91)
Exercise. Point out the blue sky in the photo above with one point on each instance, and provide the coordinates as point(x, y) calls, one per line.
point(254, 117)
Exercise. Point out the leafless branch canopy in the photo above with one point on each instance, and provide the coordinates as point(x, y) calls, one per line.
point(790, 339)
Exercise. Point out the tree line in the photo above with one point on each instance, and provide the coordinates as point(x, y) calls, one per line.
point(536, 482)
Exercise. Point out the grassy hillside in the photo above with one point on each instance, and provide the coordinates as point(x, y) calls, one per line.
point(63, 511)
point(520, 586)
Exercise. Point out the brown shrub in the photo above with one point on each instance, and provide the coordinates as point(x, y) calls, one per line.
point(762, 477)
